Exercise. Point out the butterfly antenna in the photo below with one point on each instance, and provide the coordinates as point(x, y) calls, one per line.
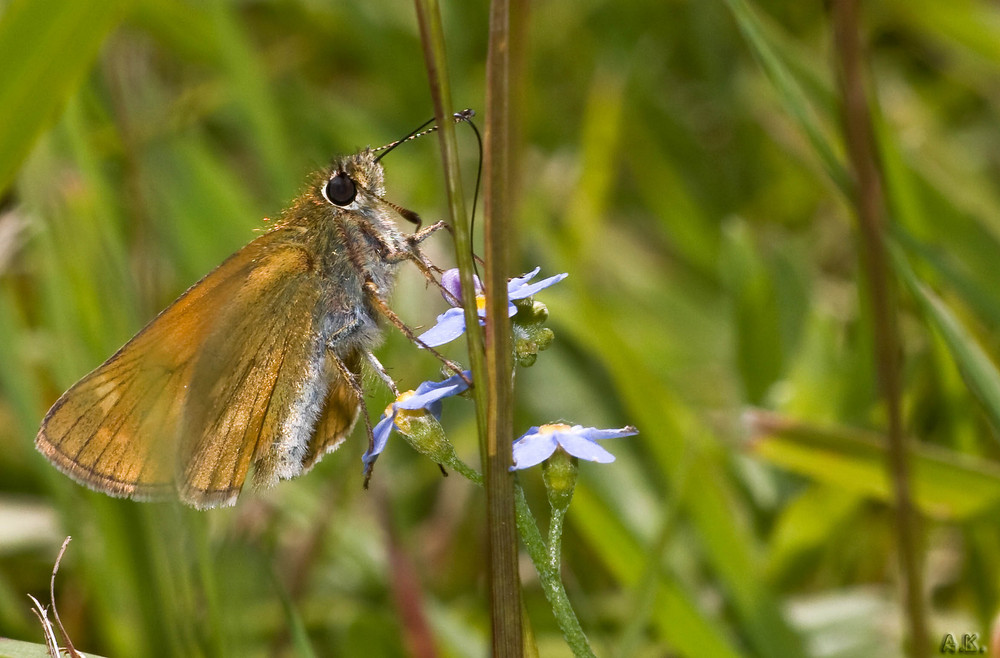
point(464, 115)
point(385, 150)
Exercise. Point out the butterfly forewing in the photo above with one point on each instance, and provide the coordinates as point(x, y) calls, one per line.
point(255, 391)
point(120, 429)
point(115, 429)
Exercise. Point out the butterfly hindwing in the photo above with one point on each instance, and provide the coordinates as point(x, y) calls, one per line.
point(340, 412)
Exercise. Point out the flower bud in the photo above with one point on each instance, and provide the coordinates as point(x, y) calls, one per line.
point(423, 431)
point(559, 475)
point(530, 337)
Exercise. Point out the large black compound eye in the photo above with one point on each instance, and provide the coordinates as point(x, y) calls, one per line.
point(340, 190)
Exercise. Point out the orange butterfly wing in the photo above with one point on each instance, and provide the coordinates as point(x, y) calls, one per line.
point(212, 385)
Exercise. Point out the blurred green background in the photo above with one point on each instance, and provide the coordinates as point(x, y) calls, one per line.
point(683, 161)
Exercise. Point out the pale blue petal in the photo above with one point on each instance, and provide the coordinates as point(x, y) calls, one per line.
point(429, 394)
point(582, 448)
point(381, 433)
point(450, 325)
point(594, 434)
point(524, 291)
point(519, 281)
point(532, 449)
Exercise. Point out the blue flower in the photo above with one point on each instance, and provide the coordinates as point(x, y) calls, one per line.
point(426, 399)
point(451, 324)
point(538, 443)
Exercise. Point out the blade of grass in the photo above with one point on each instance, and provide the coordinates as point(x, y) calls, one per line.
point(674, 612)
point(946, 485)
point(667, 427)
point(301, 645)
point(17, 649)
point(979, 370)
point(869, 202)
point(716, 513)
point(790, 92)
point(46, 49)
point(248, 81)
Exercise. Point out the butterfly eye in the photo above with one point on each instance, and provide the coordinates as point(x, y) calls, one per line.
point(340, 190)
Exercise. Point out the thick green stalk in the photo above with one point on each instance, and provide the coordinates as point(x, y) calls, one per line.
point(490, 368)
point(499, 235)
point(429, 18)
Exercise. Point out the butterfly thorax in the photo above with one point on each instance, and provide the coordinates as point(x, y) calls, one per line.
point(349, 245)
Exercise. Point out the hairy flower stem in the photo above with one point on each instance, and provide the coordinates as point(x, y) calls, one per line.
point(549, 575)
point(555, 538)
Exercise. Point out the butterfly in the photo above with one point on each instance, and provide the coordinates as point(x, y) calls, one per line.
point(254, 370)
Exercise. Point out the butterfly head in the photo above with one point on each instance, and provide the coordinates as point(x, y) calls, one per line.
point(350, 177)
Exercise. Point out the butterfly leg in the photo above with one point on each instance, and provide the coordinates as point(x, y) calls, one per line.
point(383, 308)
point(410, 250)
point(426, 232)
point(369, 356)
point(413, 253)
point(355, 383)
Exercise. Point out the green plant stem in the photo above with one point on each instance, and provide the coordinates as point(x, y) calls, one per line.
point(869, 205)
point(555, 537)
point(498, 236)
point(432, 38)
point(491, 369)
point(549, 576)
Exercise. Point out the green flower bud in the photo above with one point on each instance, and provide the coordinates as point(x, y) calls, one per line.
point(423, 431)
point(530, 337)
point(559, 475)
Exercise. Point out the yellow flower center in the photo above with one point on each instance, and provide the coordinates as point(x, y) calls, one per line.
point(552, 427)
point(405, 395)
point(480, 303)
point(403, 416)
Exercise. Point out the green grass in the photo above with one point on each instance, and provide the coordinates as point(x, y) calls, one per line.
point(684, 162)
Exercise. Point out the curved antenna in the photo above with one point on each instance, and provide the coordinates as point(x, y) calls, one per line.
point(413, 135)
point(464, 115)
